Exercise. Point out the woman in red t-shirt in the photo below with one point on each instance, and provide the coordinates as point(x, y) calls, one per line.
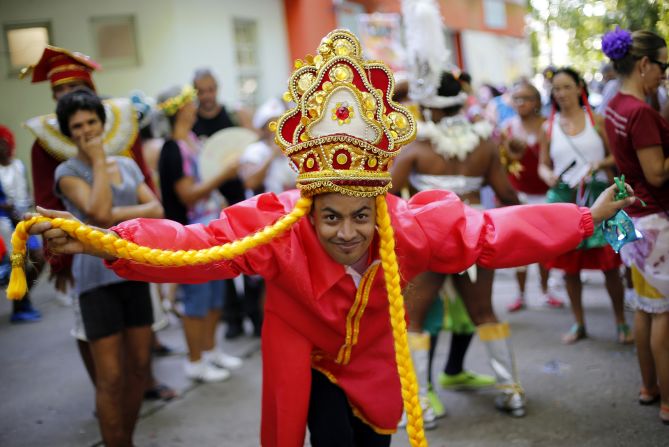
point(522, 134)
point(639, 139)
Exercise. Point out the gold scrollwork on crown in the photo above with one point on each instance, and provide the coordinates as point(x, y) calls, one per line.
point(305, 81)
point(365, 102)
point(341, 73)
point(331, 160)
point(352, 154)
point(340, 43)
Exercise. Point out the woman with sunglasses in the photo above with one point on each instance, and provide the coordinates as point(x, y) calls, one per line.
point(574, 162)
point(640, 144)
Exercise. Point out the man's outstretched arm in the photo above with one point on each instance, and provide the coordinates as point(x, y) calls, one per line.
point(235, 223)
point(459, 236)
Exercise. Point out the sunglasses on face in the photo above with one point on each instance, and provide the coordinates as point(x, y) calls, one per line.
point(522, 99)
point(664, 66)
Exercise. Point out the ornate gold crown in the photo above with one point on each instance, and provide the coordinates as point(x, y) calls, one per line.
point(345, 129)
point(172, 105)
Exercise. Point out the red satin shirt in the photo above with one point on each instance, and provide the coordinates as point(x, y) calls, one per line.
point(310, 297)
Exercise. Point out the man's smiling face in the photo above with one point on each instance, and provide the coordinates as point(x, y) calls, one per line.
point(345, 225)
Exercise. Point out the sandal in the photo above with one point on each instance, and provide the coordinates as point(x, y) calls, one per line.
point(647, 397)
point(518, 304)
point(160, 392)
point(625, 336)
point(553, 303)
point(664, 414)
point(576, 333)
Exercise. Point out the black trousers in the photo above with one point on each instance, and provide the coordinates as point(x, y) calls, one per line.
point(331, 421)
point(238, 305)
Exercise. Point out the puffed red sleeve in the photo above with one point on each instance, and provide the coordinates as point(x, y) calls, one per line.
point(234, 223)
point(453, 236)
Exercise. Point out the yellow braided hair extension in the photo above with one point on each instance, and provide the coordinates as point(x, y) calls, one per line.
point(405, 369)
point(121, 248)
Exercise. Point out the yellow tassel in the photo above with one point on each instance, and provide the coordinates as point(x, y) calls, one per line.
point(17, 280)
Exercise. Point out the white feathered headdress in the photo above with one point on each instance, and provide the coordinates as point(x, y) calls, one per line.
point(427, 55)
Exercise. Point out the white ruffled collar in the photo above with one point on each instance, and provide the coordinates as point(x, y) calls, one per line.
point(454, 136)
point(121, 128)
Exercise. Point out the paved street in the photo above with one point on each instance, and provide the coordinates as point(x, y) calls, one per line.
point(582, 395)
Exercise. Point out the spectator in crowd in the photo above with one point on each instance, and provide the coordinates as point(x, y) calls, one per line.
point(15, 200)
point(611, 85)
point(212, 116)
point(263, 167)
point(546, 105)
point(188, 200)
point(574, 163)
point(520, 154)
point(499, 109)
point(639, 139)
point(116, 313)
point(472, 108)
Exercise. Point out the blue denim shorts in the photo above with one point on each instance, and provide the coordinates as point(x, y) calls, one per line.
point(199, 299)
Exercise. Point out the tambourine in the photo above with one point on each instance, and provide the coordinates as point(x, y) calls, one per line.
point(223, 148)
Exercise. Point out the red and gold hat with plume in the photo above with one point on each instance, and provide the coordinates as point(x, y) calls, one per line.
point(345, 129)
point(61, 66)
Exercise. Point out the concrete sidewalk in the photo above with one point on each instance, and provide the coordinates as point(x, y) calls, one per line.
point(583, 395)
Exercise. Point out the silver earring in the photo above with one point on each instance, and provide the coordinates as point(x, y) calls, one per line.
point(643, 73)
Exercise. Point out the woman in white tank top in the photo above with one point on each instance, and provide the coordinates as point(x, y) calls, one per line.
point(574, 147)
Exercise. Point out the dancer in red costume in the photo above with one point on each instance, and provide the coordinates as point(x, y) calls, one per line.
point(331, 357)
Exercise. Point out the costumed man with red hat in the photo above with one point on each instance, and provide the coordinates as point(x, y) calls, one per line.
point(334, 254)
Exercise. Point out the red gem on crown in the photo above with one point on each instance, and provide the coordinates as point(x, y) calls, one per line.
point(342, 113)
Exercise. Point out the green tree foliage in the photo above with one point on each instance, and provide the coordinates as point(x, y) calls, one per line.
point(663, 19)
point(587, 20)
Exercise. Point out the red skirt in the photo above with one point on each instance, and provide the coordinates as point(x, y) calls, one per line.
point(602, 258)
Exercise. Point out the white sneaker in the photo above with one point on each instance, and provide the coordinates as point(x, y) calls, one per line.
point(222, 360)
point(429, 416)
point(64, 299)
point(204, 372)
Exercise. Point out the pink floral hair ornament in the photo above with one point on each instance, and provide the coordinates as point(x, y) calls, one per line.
point(616, 43)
